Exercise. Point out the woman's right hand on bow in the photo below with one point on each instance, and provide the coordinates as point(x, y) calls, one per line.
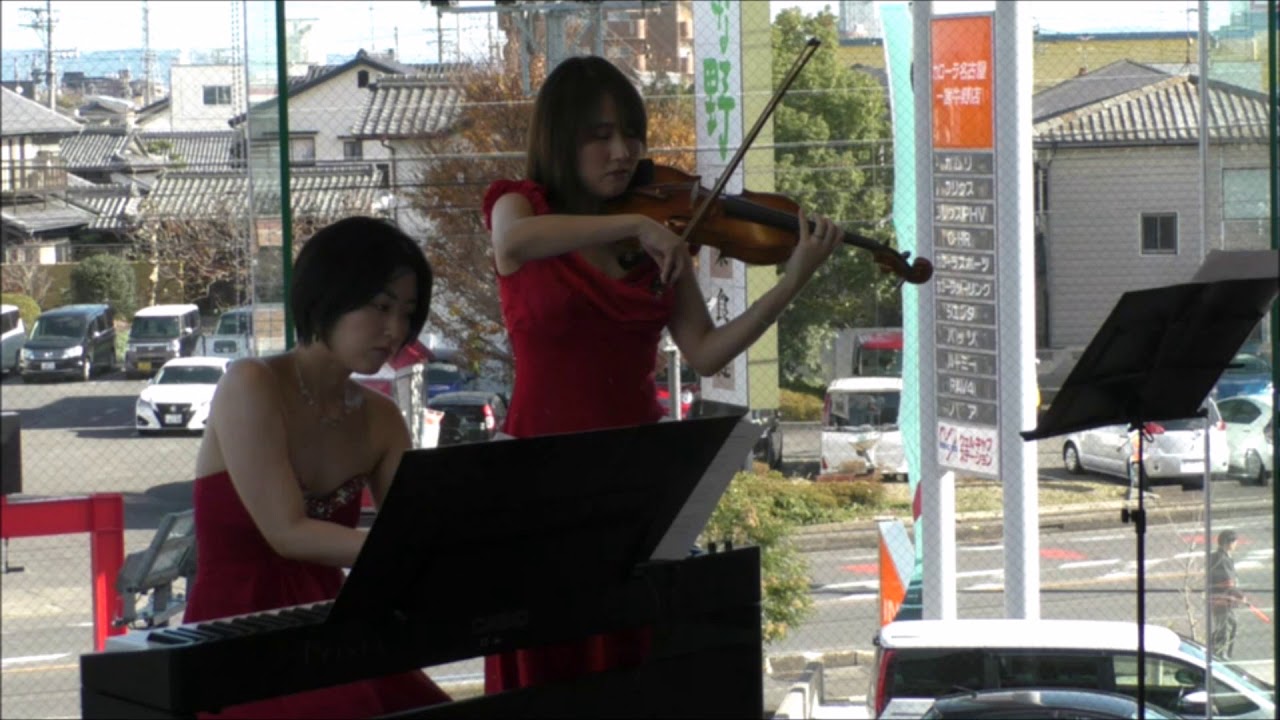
point(665, 247)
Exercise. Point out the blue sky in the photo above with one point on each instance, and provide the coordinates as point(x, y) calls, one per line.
point(343, 26)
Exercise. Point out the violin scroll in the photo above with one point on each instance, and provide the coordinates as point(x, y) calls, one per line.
point(916, 272)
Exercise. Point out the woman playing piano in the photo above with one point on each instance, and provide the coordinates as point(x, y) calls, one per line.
point(291, 442)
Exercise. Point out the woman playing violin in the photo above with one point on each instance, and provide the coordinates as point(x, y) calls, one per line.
point(586, 296)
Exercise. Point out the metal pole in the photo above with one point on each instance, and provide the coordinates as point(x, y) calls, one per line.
point(1203, 42)
point(286, 210)
point(1273, 71)
point(48, 55)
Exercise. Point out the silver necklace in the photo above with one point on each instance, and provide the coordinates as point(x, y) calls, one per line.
point(350, 402)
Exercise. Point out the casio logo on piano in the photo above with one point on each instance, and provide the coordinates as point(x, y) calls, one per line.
point(500, 622)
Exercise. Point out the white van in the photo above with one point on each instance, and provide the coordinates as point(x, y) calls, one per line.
point(246, 331)
point(860, 426)
point(158, 334)
point(13, 335)
point(918, 661)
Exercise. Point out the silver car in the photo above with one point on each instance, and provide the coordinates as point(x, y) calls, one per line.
point(1172, 449)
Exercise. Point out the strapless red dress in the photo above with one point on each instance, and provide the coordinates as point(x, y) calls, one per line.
point(238, 573)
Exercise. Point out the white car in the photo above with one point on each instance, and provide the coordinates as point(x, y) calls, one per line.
point(1172, 449)
point(178, 397)
point(1251, 437)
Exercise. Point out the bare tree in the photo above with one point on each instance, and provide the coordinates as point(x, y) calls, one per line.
point(28, 279)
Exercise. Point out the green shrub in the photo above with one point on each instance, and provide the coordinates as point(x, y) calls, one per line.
point(105, 279)
point(798, 406)
point(746, 516)
point(28, 308)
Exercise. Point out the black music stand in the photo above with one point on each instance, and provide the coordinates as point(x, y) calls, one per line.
point(1156, 357)
point(514, 519)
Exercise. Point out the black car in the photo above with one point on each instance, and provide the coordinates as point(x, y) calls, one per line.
point(1029, 703)
point(469, 416)
point(70, 341)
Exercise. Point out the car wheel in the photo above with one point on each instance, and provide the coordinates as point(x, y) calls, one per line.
point(1071, 459)
point(87, 369)
point(1253, 468)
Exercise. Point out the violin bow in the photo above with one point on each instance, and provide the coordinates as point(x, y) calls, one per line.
point(801, 60)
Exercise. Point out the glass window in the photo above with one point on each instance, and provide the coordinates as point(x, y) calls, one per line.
point(189, 375)
point(1239, 412)
point(1030, 669)
point(934, 673)
point(217, 94)
point(353, 150)
point(302, 150)
point(154, 327)
point(1244, 194)
point(1160, 234)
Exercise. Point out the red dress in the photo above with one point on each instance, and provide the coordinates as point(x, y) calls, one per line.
point(585, 346)
point(238, 573)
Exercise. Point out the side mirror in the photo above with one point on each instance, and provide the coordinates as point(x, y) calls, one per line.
point(1193, 703)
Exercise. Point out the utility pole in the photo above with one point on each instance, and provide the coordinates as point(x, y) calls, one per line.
point(42, 22)
point(148, 57)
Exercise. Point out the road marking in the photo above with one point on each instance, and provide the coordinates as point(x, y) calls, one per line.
point(984, 587)
point(846, 585)
point(6, 662)
point(42, 668)
point(980, 548)
point(1087, 564)
point(998, 572)
point(1248, 564)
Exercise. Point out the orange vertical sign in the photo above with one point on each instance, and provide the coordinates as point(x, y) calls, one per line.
point(892, 590)
point(962, 87)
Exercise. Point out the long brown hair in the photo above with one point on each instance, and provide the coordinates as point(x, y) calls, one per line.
point(565, 107)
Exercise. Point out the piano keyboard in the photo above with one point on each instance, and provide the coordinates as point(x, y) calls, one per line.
point(222, 629)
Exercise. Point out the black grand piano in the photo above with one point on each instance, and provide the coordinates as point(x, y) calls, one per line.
point(490, 547)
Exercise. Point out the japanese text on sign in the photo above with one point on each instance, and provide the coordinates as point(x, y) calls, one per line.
point(715, 78)
point(967, 448)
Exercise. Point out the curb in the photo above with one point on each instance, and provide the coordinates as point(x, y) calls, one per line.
point(989, 525)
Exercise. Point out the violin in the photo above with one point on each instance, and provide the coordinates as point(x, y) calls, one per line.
point(757, 228)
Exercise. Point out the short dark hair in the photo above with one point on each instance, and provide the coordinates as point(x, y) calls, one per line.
point(345, 265)
point(561, 117)
point(1226, 537)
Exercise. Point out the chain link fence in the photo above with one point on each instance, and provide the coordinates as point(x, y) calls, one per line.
point(163, 166)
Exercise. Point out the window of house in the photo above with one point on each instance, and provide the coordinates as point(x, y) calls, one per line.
point(217, 94)
point(1244, 194)
point(1160, 234)
point(302, 150)
point(353, 150)
point(362, 78)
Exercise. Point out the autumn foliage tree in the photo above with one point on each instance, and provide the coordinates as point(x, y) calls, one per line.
point(486, 143)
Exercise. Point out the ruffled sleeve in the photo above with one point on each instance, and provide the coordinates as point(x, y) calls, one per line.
point(532, 191)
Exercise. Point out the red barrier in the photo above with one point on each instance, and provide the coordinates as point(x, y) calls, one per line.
point(102, 516)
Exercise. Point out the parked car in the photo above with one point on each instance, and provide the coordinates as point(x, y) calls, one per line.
point(469, 416)
point(1251, 437)
point(443, 377)
point(1248, 374)
point(919, 661)
point(384, 380)
point(179, 396)
point(158, 334)
point(1034, 703)
point(1172, 449)
point(246, 331)
point(860, 425)
point(13, 335)
point(690, 389)
point(70, 341)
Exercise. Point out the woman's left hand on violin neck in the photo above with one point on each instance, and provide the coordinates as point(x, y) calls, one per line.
point(813, 247)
